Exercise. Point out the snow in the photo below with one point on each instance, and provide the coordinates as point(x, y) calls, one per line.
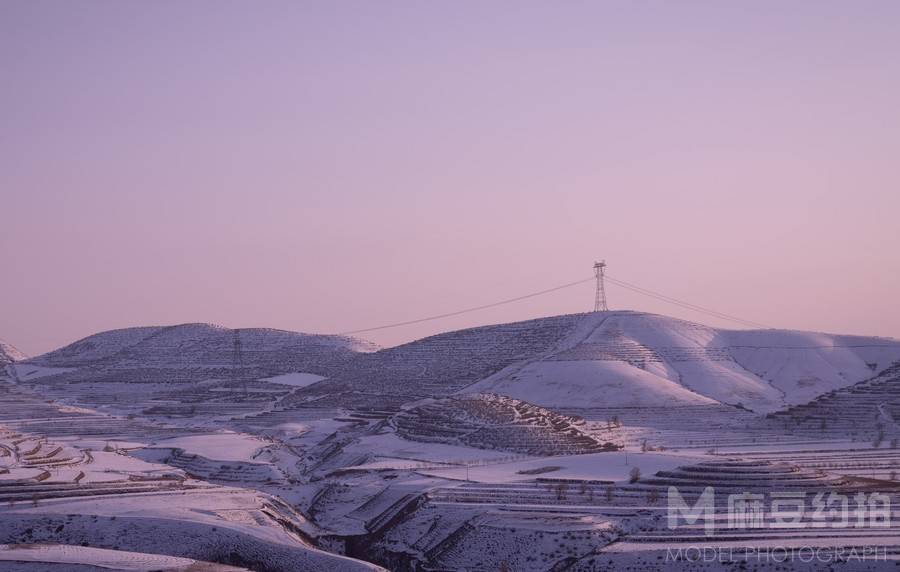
point(9, 354)
point(591, 384)
point(28, 372)
point(16, 474)
point(297, 379)
point(613, 466)
point(631, 359)
point(179, 524)
point(99, 557)
point(806, 365)
point(396, 451)
point(109, 461)
point(219, 446)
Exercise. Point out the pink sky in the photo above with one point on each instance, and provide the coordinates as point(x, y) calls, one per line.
point(327, 166)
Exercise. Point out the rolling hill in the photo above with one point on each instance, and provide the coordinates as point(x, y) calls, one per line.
point(187, 363)
point(619, 359)
point(202, 345)
point(630, 359)
point(594, 360)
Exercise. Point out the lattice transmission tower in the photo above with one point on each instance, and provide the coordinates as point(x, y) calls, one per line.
point(237, 362)
point(600, 296)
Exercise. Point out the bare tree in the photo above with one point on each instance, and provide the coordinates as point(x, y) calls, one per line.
point(635, 475)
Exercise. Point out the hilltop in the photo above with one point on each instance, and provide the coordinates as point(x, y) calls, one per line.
point(9, 354)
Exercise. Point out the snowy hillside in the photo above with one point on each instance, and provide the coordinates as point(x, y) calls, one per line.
point(595, 360)
point(188, 363)
point(496, 422)
point(442, 364)
point(616, 359)
point(204, 345)
point(96, 347)
point(69, 497)
point(636, 359)
point(9, 354)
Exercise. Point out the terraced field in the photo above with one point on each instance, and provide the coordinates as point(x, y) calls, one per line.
point(66, 479)
point(185, 370)
point(497, 422)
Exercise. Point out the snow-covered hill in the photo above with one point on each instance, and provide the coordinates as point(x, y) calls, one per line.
point(9, 354)
point(197, 345)
point(135, 365)
point(595, 360)
point(637, 359)
point(619, 359)
point(439, 365)
point(94, 348)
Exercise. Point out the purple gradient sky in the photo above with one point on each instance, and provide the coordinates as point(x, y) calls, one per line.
point(324, 166)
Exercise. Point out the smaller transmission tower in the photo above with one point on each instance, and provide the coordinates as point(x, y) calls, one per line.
point(237, 362)
point(600, 297)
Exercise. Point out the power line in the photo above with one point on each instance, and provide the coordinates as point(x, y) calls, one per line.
point(616, 281)
point(467, 310)
point(683, 304)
